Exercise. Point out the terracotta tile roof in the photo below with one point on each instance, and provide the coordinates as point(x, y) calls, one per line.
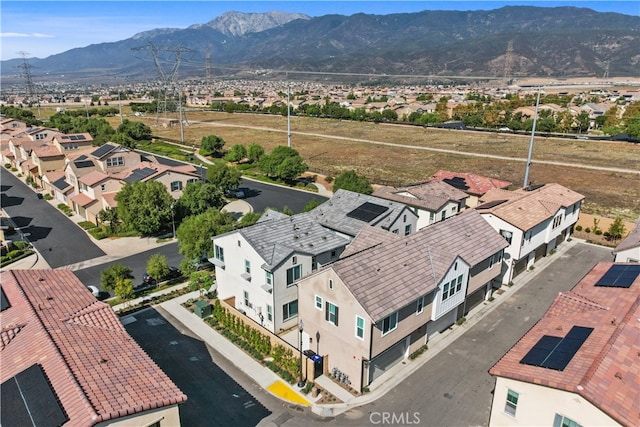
point(432, 195)
point(53, 176)
point(93, 177)
point(605, 370)
point(110, 199)
point(526, 209)
point(631, 241)
point(83, 200)
point(411, 265)
point(96, 369)
point(477, 185)
point(47, 150)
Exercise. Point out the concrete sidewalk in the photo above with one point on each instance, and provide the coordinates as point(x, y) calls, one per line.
point(385, 383)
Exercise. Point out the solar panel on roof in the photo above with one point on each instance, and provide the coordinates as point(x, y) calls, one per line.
point(619, 276)
point(83, 157)
point(367, 211)
point(28, 399)
point(491, 204)
point(103, 150)
point(4, 302)
point(555, 352)
point(139, 174)
point(83, 164)
point(458, 182)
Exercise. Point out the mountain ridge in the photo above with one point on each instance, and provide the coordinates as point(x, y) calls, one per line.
point(510, 41)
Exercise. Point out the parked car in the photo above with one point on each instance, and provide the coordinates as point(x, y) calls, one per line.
point(100, 295)
point(174, 273)
point(203, 264)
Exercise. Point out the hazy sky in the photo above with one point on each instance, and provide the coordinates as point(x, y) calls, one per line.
point(43, 28)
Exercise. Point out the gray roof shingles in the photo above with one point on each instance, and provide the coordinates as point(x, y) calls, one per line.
point(392, 273)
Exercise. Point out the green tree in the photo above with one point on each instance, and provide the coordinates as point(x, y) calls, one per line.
point(313, 203)
point(109, 216)
point(616, 229)
point(633, 127)
point(198, 197)
point(137, 131)
point(236, 153)
point(123, 288)
point(157, 266)
point(211, 144)
point(195, 233)
point(248, 219)
point(350, 180)
point(144, 206)
point(224, 177)
point(201, 281)
point(110, 275)
point(273, 164)
point(255, 152)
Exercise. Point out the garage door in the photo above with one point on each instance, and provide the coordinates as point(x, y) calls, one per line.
point(520, 267)
point(387, 359)
point(475, 299)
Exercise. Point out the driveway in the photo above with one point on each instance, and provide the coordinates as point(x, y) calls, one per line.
point(454, 388)
point(59, 240)
point(214, 397)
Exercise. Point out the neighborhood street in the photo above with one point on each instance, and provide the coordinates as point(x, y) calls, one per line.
point(59, 241)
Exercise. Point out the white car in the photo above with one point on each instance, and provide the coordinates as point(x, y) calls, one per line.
point(100, 295)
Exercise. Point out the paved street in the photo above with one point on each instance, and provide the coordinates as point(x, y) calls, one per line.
point(455, 388)
point(261, 196)
point(58, 239)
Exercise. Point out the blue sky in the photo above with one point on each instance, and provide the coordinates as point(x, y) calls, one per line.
point(43, 28)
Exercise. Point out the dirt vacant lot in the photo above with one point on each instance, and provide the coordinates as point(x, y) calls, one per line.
point(399, 155)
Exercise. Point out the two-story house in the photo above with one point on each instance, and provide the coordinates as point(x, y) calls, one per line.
point(578, 365)
point(347, 212)
point(475, 186)
point(112, 158)
point(388, 294)
point(534, 220)
point(257, 266)
point(432, 201)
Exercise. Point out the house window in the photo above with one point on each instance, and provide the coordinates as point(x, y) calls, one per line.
point(293, 274)
point(389, 323)
point(268, 277)
point(491, 261)
point(420, 305)
point(445, 291)
point(247, 266)
point(176, 186)
point(294, 260)
point(333, 254)
point(318, 302)
point(360, 327)
point(192, 180)
point(512, 403)
point(508, 235)
point(239, 243)
point(557, 221)
point(269, 313)
point(115, 161)
point(103, 187)
point(443, 216)
point(289, 310)
point(219, 253)
point(331, 313)
point(432, 216)
point(404, 218)
point(330, 284)
point(407, 229)
point(500, 258)
point(562, 421)
point(246, 299)
point(459, 283)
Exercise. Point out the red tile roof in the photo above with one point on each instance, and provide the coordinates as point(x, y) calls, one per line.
point(478, 185)
point(83, 200)
point(606, 369)
point(96, 369)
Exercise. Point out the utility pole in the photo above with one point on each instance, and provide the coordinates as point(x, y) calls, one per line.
point(533, 132)
point(288, 113)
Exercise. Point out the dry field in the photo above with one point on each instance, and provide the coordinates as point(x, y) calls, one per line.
point(399, 155)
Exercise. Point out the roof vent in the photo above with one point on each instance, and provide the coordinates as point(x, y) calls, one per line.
point(103, 360)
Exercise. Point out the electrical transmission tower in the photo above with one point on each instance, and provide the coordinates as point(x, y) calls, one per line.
point(508, 62)
point(605, 75)
point(167, 61)
point(208, 69)
point(31, 94)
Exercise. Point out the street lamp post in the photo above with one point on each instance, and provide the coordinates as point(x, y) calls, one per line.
point(301, 382)
point(173, 220)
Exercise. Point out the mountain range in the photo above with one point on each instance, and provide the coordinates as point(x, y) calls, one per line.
point(513, 41)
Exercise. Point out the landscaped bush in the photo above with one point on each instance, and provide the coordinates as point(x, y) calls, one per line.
point(578, 228)
point(598, 232)
point(97, 233)
point(418, 352)
point(87, 225)
point(329, 179)
point(587, 230)
point(47, 196)
point(14, 169)
point(20, 244)
point(7, 165)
